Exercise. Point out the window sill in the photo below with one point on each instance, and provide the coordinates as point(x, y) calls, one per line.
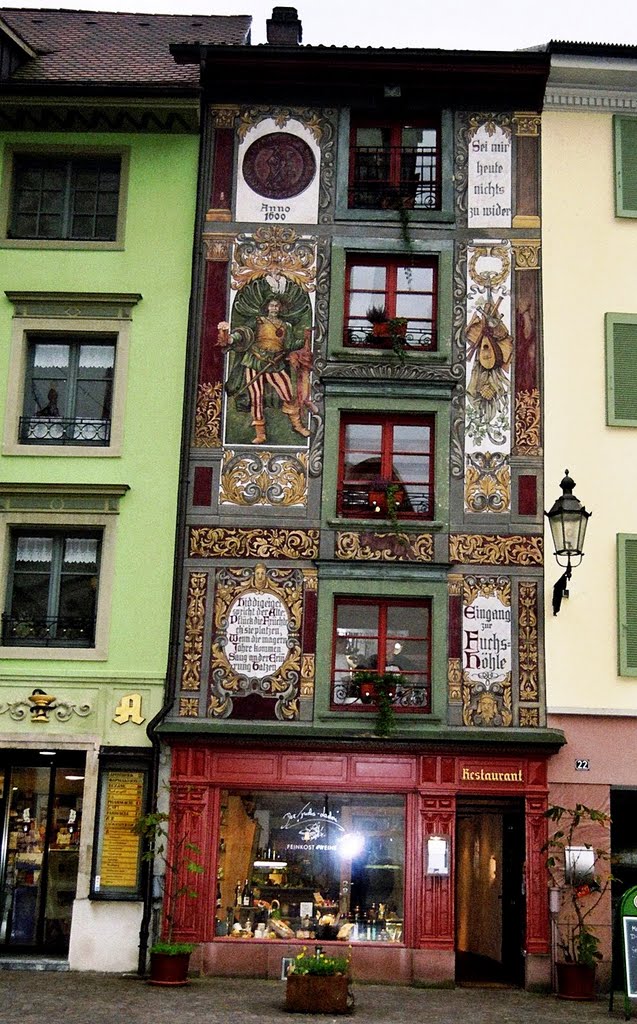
point(354, 354)
point(76, 451)
point(402, 526)
point(24, 653)
point(393, 216)
point(60, 243)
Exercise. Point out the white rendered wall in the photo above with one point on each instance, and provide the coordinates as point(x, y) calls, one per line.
point(589, 262)
point(105, 936)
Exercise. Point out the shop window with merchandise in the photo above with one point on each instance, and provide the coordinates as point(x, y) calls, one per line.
point(311, 866)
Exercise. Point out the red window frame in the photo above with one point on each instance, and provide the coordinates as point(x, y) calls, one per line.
point(397, 188)
point(346, 694)
point(366, 495)
point(421, 339)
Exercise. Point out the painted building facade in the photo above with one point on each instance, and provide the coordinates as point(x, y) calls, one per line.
point(358, 731)
point(99, 190)
point(588, 150)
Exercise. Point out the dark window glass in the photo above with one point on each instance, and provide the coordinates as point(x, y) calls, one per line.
point(382, 636)
point(65, 198)
point(68, 390)
point(391, 303)
point(387, 467)
point(52, 595)
point(311, 866)
point(394, 166)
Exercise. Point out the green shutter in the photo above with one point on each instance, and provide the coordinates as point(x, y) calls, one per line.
point(627, 603)
point(621, 369)
point(625, 166)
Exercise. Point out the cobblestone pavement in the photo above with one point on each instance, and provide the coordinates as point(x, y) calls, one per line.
point(39, 997)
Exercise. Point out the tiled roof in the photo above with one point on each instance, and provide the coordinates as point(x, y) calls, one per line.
point(114, 49)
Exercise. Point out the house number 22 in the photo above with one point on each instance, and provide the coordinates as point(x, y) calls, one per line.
point(582, 764)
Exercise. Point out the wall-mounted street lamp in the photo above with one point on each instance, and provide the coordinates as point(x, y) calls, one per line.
point(568, 520)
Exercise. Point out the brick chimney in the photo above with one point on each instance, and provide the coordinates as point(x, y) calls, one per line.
point(284, 27)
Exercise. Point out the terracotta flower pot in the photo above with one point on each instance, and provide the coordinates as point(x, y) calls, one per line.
point(309, 993)
point(575, 981)
point(169, 970)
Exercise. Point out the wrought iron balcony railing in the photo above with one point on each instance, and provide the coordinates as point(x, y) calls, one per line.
point(409, 695)
point(43, 631)
point(391, 178)
point(411, 502)
point(55, 430)
point(417, 339)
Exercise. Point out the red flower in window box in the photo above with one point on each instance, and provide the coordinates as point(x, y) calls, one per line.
point(386, 497)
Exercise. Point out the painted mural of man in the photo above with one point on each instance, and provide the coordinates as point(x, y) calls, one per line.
point(266, 353)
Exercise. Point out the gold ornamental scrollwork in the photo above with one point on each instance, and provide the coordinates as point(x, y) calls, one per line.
point(188, 707)
point(455, 585)
point(193, 637)
point(223, 116)
point(454, 680)
point(527, 423)
point(272, 249)
point(487, 586)
point(487, 708)
point(489, 278)
point(264, 478)
point(528, 641)
point(527, 124)
point(310, 577)
point(220, 542)
point(307, 675)
point(218, 248)
point(526, 253)
point(530, 718)
point(487, 482)
point(490, 123)
point(207, 432)
point(252, 116)
point(477, 549)
point(384, 547)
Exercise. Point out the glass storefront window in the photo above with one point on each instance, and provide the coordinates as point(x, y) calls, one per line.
point(43, 820)
point(309, 865)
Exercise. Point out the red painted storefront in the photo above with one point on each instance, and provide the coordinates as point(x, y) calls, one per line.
point(433, 784)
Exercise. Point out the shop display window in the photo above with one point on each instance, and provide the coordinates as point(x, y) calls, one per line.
point(311, 866)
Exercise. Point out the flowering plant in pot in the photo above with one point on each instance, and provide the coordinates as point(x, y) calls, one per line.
point(379, 688)
point(317, 983)
point(386, 498)
point(580, 874)
point(169, 960)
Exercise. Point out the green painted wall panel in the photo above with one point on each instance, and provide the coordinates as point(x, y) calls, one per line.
point(155, 262)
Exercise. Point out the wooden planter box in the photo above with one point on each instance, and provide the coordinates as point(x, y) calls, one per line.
point(308, 993)
point(575, 981)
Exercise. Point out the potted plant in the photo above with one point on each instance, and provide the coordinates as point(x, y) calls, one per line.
point(398, 334)
point(169, 960)
point(379, 688)
point(386, 498)
point(317, 983)
point(580, 875)
point(379, 319)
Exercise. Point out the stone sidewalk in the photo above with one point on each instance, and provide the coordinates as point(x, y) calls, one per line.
point(44, 997)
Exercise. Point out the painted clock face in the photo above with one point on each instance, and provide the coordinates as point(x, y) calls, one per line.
point(279, 166)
